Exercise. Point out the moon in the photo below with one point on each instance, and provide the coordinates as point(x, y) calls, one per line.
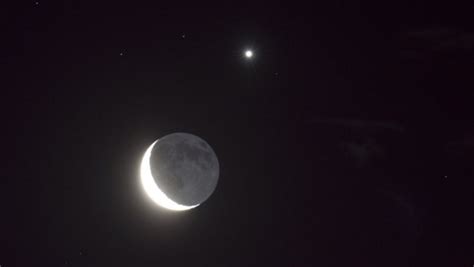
point(179, 171)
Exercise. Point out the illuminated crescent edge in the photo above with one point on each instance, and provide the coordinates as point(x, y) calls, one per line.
point(152, 189)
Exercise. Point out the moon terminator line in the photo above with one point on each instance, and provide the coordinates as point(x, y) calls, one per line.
point(179, 171)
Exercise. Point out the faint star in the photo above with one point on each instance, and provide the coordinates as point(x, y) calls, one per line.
point(183, 36)
point(36, 3)
point(121, 54)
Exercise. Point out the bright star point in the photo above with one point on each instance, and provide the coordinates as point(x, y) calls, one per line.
point(248, 53)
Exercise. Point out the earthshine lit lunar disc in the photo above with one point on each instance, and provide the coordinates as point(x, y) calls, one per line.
point(153, 191)
point(179, 171)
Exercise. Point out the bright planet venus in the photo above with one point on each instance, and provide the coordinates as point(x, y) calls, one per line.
point(248, 53)
point(179, 171)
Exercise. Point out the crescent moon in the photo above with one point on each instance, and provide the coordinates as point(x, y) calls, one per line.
point(152, 189)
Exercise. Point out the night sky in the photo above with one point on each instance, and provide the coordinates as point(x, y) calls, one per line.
point(347, 140)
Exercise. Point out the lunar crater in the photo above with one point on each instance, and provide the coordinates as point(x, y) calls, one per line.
point(185, 167)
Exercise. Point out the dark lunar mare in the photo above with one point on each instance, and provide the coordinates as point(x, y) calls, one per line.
point(185, 168)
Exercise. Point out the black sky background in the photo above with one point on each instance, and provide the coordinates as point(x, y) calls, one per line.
point(348, 139)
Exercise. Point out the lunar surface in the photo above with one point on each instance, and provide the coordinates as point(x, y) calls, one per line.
point(180, 171)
